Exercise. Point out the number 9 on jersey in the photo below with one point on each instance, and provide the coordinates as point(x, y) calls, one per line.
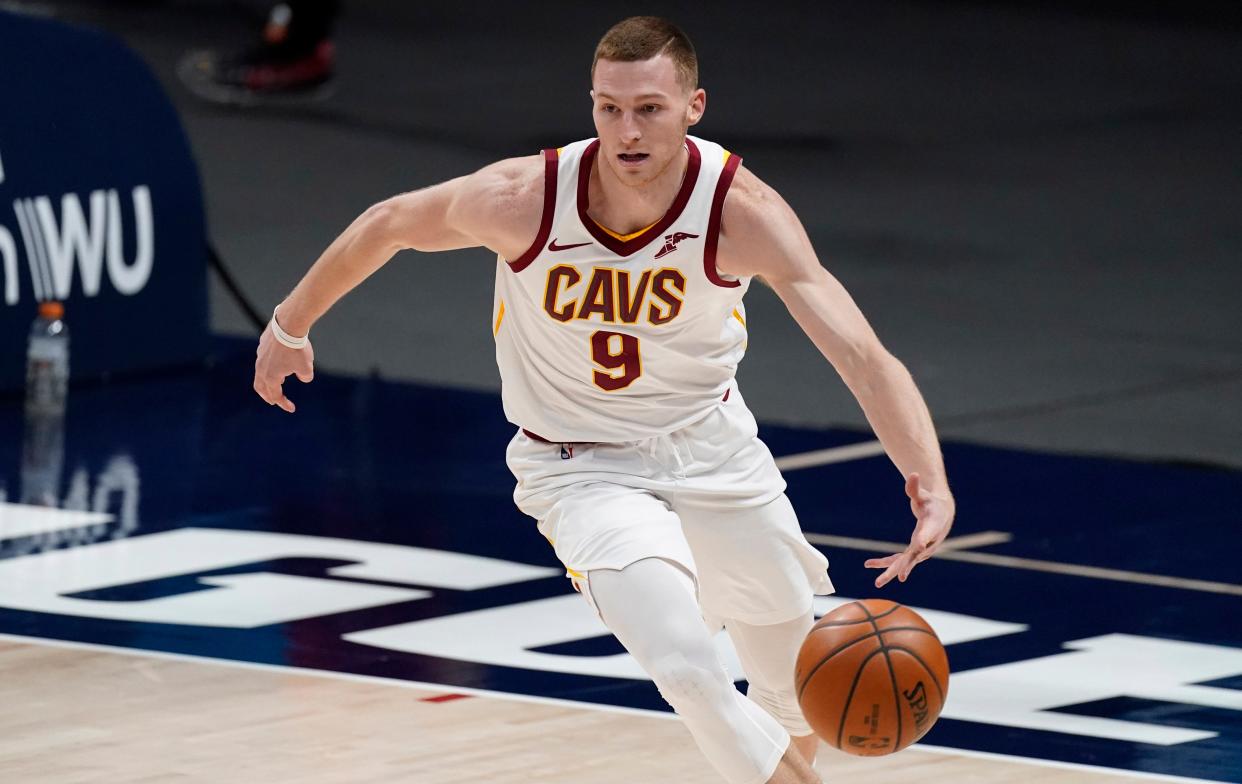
point(618, 357)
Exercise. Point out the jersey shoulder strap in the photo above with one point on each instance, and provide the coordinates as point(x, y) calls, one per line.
point(551, 164)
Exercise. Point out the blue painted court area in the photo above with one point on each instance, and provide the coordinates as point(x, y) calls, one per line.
point(373, 532)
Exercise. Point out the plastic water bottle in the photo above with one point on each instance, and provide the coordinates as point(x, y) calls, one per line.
point(47, 386)
point(47, 362)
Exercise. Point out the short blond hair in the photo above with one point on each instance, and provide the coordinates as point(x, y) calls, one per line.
point(645, 37)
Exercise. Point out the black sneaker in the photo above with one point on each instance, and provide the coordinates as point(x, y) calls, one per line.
point(269, 73)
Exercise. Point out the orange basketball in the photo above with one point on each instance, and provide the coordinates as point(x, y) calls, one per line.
point(871, 677)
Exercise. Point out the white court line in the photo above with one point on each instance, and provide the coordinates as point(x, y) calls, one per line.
point(285, 669)
point(981, 539)
point(18, 520)
point(988, 755)
point(837, 454)
point(1, 171)
point(1035, 565)
point(949, 550)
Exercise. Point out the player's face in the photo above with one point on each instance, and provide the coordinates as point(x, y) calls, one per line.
point(641, 115)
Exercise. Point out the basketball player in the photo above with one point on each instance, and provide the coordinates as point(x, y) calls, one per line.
point(619, 324)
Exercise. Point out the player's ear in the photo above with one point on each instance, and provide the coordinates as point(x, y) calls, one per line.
point(696, 107)
point(592, 94)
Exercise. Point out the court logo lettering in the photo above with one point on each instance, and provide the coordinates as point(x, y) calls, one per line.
point(233, 579)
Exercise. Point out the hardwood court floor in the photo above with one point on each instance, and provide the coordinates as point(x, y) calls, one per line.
point(79, 715)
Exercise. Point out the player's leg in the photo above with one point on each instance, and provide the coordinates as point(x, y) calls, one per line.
point(756, 565)
point(757, 572)
point(768, 653)
point(651, 607)
point(609, 536)
point(758, 575)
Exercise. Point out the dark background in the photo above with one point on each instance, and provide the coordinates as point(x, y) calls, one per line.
point(1039, 206)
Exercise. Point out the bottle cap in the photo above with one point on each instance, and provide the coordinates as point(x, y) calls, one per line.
point(52, 311)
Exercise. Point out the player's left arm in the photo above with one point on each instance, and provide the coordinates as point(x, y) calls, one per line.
point(761, 235)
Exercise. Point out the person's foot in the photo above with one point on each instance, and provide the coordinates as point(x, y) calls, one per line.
point(268, 73)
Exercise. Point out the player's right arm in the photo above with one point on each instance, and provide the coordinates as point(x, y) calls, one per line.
point(498, 207)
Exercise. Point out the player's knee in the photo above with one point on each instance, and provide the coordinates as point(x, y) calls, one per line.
point(782, 705)
point(690, 686)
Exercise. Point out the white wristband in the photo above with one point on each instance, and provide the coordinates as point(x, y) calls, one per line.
point(284, 338)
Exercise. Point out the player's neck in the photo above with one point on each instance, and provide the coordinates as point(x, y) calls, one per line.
point(627, 208)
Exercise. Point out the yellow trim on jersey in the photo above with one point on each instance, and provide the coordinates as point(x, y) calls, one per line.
point(622, 237)
point(500, 316)
point(736, 315)
point(570, 572)
point(726, 156)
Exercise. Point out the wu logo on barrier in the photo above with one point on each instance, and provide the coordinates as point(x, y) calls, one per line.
point(87, 237)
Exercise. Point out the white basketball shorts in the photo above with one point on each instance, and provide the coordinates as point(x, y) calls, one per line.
point(707, 497)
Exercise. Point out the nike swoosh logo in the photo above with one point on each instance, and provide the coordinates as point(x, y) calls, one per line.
point(554, 247)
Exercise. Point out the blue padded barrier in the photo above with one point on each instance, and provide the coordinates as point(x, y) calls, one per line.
point(100, 204)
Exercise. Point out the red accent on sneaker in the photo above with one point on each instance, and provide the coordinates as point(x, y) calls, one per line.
point(315, 67)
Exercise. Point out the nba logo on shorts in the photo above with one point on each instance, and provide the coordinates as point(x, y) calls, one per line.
point(567, 451)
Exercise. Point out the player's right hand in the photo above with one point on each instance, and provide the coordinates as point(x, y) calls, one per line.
point(273, 362)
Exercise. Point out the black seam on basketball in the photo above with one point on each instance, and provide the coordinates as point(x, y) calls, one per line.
point(892, 676)
point(922, 663)
point(885, 629)
point(845, 709)
point(830, 654)
point(919, 629)
point(889, 611)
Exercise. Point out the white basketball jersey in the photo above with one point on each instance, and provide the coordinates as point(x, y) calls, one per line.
point(609, 338)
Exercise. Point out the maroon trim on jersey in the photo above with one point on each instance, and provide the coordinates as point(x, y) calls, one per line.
point(713, 224)
point(628, 247)
point(537, 437)
point(550, 161)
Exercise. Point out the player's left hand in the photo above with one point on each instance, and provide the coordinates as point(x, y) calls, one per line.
point(934, 515)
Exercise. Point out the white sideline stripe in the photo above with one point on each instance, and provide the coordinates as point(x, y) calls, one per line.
point(837, 454)
point(284, 669)
point(18, 520)
point(989, 755)
point(981, 539)
point(1, 171)
point(1035, 565)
